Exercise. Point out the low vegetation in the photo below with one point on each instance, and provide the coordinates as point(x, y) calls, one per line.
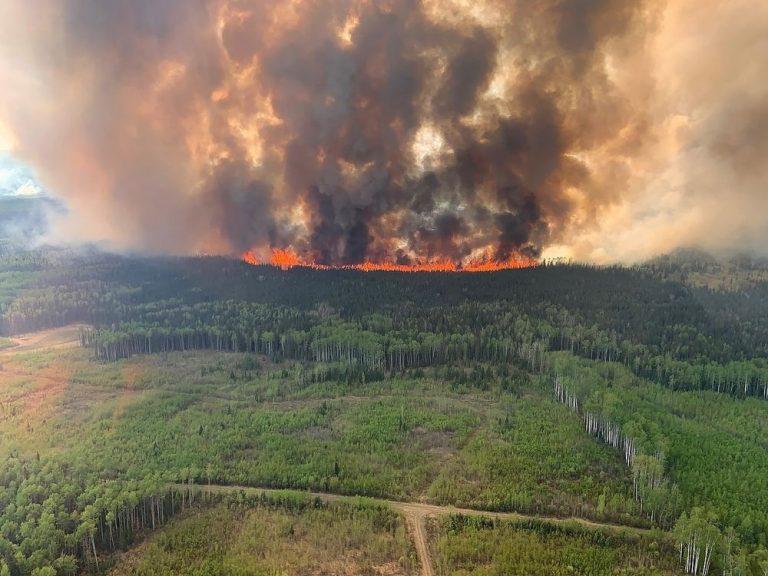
point(481, 547)
point(269, 537)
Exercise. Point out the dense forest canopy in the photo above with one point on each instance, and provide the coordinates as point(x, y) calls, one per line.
point(639, 312)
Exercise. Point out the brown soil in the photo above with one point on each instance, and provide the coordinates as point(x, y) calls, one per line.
point(65, 337)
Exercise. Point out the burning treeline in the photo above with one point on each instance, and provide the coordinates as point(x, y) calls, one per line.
point(344, 132)
point(286, 259)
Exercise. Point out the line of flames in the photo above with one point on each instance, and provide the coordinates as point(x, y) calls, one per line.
point(285, 259)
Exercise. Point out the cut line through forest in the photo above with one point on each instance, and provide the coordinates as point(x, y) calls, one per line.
point(415, 514)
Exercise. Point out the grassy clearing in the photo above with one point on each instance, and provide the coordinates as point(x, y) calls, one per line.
point(237, 419)
point(341, 539)
point(481, 547)
point(228, 418)
point(536, 458)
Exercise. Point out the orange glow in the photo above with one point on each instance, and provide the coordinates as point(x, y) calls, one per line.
point(513, 263)
point(250, 258)
point(284, 259)
point(287, 258)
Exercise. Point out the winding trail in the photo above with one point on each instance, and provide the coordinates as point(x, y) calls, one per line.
point(416, 514)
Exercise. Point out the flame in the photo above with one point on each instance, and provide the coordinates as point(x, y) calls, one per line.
point(250, 258)
point(284, 259)
point(287, 258)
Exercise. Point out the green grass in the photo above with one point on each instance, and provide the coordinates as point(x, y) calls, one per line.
point(537, 458)
point(267, 540)
point(464, 546)
point(405, 438)
point(228, 419)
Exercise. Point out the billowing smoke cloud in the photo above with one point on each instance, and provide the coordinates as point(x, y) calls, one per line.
point(396, 130)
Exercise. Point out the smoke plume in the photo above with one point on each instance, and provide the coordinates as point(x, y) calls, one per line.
point(395, 130)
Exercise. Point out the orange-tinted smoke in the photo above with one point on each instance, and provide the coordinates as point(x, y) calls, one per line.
point(402, 132)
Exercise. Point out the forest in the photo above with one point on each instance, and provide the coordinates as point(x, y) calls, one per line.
point(624, 396)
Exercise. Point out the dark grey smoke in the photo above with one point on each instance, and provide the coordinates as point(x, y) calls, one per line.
point(344, 130)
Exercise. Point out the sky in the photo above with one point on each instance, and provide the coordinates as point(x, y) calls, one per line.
point(399, 131)
point(17, 179)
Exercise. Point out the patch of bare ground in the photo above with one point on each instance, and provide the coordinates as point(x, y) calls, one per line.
point(131, 375)
point(433, 439)
point(64, 337)
point(48, 384)
point(34, 400)
point(353, 564)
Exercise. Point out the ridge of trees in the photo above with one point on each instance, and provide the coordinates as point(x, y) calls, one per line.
point(657, 496)
point(407, 337)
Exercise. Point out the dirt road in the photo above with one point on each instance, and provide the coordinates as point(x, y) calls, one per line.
point(417, 527)
point(416, 514)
